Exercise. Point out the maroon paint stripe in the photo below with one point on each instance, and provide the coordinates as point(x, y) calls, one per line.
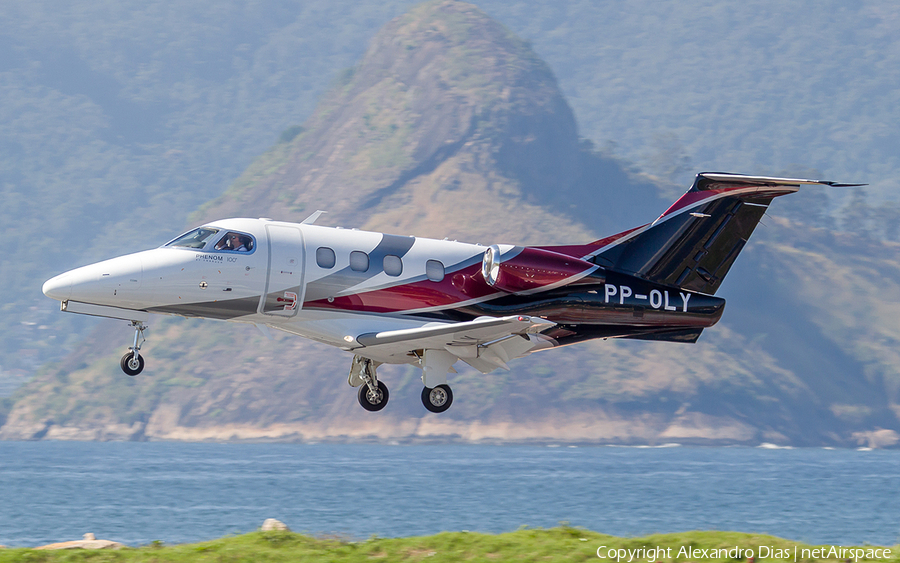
point(582, 250)
point(529, 270)
point(691, 199)
point(462, 285)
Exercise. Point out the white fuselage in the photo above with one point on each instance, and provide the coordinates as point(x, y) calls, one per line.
point(317, 282)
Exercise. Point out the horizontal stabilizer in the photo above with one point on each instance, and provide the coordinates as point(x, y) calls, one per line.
point(725, 177)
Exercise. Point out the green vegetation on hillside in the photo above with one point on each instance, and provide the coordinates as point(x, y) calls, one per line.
point(556, 544)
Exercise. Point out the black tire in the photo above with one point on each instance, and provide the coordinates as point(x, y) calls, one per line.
point(437, 399)
point(373, 401)
point(126, 364)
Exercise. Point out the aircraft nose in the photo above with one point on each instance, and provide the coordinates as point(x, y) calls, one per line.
point(59, 287)
point(110, 282)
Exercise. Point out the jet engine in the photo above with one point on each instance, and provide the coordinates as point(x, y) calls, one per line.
point(528, 268)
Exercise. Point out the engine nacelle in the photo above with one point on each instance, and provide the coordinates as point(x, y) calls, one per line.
point(527, 268)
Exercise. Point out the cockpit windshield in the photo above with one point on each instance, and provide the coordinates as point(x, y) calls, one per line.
point(195, 239)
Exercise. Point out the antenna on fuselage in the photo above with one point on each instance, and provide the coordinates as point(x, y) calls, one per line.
point(312, 218)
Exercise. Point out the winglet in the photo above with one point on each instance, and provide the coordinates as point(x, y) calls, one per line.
point(312, 218)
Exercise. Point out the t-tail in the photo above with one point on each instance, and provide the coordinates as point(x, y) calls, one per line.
point(695, 242)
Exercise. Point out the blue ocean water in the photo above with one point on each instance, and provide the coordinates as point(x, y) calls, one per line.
point(136, 493)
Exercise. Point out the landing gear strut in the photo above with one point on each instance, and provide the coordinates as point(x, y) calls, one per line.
point(132, 363)
point(436, 395)
point(373, 394)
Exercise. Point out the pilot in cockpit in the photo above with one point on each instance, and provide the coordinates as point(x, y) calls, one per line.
point(241, 243)
point(235, 242)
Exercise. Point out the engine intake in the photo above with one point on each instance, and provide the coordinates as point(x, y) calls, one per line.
point(530, 268)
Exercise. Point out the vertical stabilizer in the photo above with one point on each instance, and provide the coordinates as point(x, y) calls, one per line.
point(695, 242)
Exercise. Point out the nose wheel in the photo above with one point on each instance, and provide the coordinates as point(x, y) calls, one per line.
point(132, 363)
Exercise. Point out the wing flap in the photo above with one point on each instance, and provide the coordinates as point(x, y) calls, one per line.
point(438, 335)
point(486, 343)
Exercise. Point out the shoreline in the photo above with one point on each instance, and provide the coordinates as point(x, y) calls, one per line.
point(458, 441)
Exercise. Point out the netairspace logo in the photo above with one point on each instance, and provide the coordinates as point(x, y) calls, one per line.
point(650, 554)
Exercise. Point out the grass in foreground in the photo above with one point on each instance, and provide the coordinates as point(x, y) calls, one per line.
point(556, 544)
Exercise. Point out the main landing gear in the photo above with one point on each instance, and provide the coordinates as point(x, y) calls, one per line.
point(436, 395)
point(373, 394)
point(437, 399)
point(132, 363)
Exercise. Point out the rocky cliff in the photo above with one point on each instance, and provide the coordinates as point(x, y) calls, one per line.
point(450, 126)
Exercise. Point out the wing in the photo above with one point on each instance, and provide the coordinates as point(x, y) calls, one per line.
point(485, 343)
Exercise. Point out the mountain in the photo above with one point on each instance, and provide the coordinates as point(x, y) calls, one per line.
point(446, 110)
point(452, 126)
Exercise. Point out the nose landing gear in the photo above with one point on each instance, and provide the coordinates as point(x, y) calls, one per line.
point(132, 363)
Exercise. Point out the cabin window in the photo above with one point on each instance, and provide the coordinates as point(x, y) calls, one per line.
point(235, 242)
point(393, 266)
point(195, 239)
point(325, 257)
point(434, 270)
point(359, 261)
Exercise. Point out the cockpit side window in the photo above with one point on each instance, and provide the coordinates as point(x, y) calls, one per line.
point(195, 239)
point(235, 242)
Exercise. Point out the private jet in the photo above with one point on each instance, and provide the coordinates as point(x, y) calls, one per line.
point(391, 299)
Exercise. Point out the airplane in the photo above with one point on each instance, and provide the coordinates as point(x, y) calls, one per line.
point(391, 299)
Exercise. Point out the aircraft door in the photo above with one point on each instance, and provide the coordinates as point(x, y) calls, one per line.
point(283, 295)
